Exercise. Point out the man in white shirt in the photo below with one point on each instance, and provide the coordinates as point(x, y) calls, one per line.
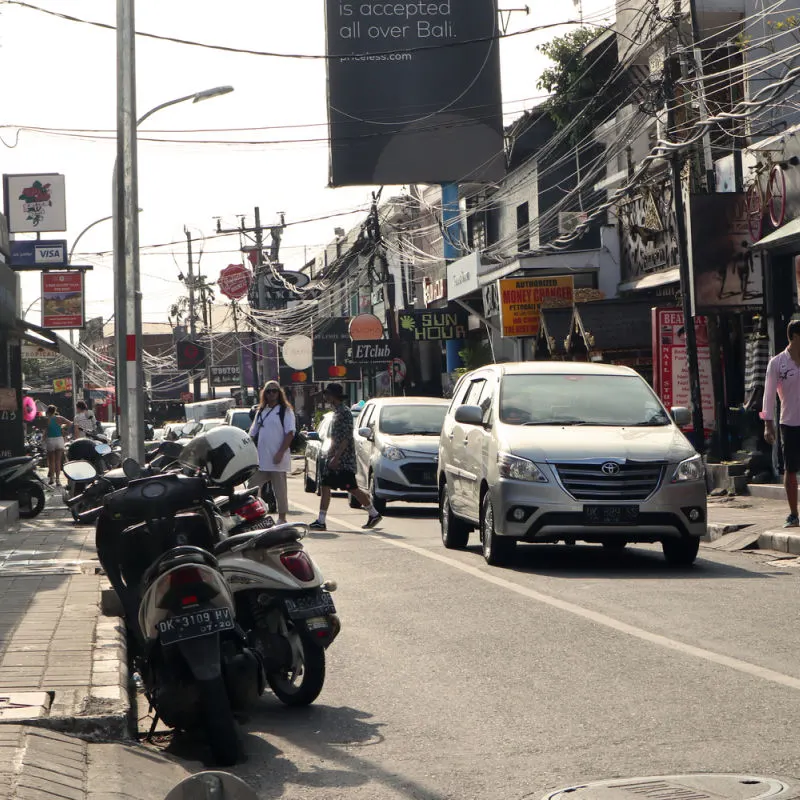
point(783, 378)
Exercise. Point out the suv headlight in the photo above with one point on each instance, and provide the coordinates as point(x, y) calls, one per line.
point(519, 469)
point(393, 453)
point(692, 469)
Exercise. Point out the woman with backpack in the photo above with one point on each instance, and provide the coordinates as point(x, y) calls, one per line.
point(273, 431)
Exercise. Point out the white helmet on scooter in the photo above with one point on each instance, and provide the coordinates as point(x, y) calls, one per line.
point(226, 453)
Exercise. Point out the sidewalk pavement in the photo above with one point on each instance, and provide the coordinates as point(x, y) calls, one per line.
point(744, 521)
point(63, 671)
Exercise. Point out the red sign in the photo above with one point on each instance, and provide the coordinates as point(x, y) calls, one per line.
point(670, 370)
point(187, 397)
point(62, 299)
point(234, 281)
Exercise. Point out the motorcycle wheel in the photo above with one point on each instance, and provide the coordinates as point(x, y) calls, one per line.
point(30, 497)
point(220, 726)
point(300, 686)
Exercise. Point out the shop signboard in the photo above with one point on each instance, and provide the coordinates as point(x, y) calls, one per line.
point(435, 325)
point(439, 62)
point(726, 271)
point(62, 385)
point(62, 300)
point(522, 299)
point(226, 375)
point(364, 353)
point(462, 276)
point(40, 253)
point(169, 385)
point(670, 370)
point(35, 203)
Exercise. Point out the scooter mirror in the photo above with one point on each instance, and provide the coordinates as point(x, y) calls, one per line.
point(102, 449)
point(131, 469)
point(79, 471)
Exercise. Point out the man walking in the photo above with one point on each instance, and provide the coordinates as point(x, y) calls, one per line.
point(341, 468)
point(783, 377)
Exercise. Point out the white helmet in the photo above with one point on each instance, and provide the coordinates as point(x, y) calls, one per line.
point(226, 453)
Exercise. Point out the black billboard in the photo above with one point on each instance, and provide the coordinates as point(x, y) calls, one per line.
point(414, 92)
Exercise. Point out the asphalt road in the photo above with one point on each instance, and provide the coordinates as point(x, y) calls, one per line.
point(452, 679)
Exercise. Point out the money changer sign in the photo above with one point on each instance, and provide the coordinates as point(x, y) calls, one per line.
point(522, 299)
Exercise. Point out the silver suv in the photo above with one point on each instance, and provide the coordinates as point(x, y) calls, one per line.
point(397, 443)
point(565, 451)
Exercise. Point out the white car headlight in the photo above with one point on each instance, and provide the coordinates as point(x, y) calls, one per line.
point(519, 469)
point(692, 469)
point(393, 453)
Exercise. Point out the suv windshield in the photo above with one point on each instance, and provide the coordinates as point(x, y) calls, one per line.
point(615, 400)
point(413, 420)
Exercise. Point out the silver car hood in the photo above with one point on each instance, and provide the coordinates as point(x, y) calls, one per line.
point(553, 444)
point(427, 445)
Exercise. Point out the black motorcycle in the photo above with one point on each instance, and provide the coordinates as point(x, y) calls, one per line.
point(87, 485)
point(19, 481)
point(155, 540)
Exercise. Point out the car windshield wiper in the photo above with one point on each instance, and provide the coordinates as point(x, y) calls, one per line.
point(560, 422)
point(660, 422)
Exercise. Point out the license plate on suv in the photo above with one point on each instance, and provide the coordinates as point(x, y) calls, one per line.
point(194, 625)
point(611, 515)
point(318, 604)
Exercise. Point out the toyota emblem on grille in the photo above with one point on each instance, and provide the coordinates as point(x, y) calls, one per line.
point(610, 468)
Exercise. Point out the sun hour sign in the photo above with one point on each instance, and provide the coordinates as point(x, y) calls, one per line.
point(522, 299)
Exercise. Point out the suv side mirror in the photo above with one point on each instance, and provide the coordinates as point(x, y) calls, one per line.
point(469, 415)
point(682, 416)
point(367, 433)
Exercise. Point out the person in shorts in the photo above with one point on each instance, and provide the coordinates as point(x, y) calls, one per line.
point(54, 444)
point(85, 422)
point(341, 468)
point(783, 378)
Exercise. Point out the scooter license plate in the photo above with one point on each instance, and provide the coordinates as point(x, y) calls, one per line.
point(319, 604)
point(194, 625)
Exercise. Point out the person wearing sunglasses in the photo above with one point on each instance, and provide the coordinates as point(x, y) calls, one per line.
point(273, 431)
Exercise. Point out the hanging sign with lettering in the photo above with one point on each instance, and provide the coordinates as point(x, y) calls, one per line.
point(439, 325)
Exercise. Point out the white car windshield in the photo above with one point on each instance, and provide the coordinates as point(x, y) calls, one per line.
point(412, 420)
point(612, 400)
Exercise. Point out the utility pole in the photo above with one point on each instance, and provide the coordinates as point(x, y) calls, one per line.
point(242, 387)
point(671, 67)
point(256, 235)
point(198, 382)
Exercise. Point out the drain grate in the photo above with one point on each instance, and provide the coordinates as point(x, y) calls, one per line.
point(698, 786)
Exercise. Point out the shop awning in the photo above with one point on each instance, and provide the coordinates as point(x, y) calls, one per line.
point(615, 325)
point(47, 339)
point(652, 280)
point(786, 236)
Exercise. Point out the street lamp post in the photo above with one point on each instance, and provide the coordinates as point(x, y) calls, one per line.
point(128, 306)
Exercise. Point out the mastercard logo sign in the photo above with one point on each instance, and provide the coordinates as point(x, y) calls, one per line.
point(337, 372)
point(299, 377)
point(366, 327)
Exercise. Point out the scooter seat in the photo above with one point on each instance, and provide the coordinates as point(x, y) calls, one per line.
point(284, 534)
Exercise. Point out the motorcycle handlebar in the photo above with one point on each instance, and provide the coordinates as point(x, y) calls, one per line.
point(90, 516)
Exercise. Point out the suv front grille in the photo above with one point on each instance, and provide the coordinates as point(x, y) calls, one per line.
point(634, 481)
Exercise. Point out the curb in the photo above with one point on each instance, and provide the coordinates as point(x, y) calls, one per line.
point(716, 530)
point(780, 541)
point(9, 512)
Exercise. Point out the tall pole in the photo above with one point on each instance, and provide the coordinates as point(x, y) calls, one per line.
point(127, 225)
point(452, 250)
point(239, 347)
point(260, 288)
point(676, 162)
point(198, 381)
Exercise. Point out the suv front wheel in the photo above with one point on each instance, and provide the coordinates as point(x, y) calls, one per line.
point(497, 550)
point(680, 552)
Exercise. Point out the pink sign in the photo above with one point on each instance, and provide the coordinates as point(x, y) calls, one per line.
point(234, 281)
point(670, 369)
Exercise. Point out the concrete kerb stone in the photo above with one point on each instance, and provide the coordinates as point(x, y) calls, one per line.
point(9, 512)
point(780, 541)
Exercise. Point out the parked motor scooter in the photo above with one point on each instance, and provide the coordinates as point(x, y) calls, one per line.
point(281, 597)
point(19, 481)
point(155, 539)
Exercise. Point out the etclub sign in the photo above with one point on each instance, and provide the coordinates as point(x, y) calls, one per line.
point(439, 62)
point(365, 353)
point(522, 299)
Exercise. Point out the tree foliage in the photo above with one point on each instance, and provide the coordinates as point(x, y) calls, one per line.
point(568, 80)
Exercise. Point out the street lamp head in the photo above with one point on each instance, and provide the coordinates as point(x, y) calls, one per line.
point(209, 93)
